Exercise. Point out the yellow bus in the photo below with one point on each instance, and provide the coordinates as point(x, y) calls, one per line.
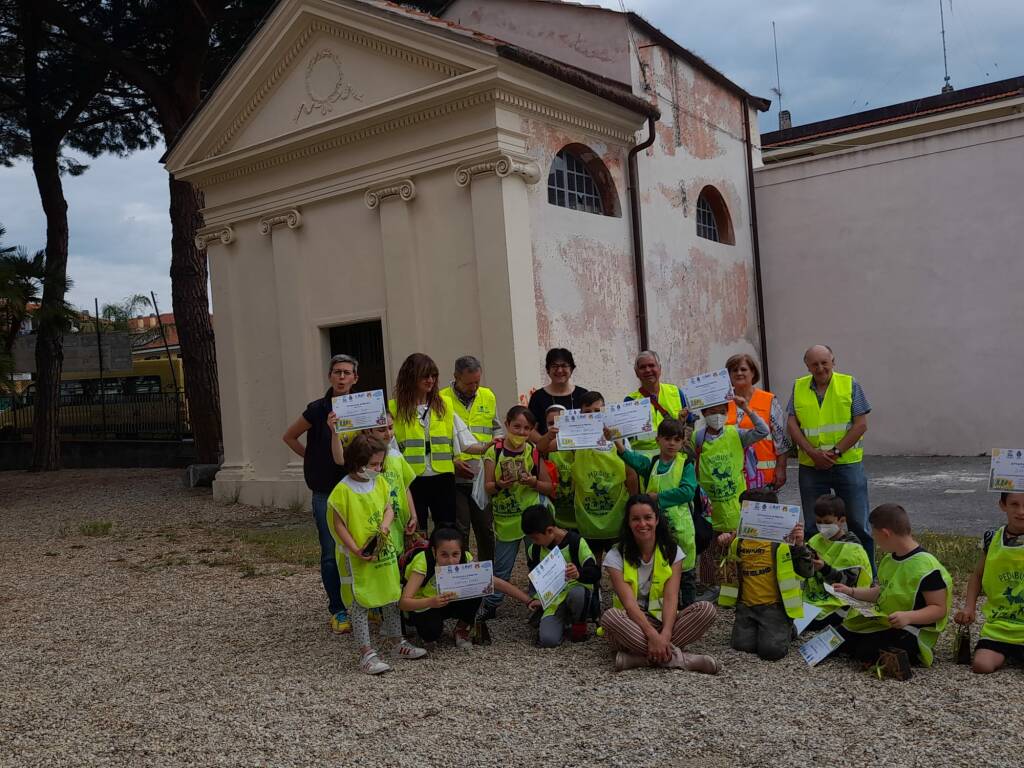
point(146, 403)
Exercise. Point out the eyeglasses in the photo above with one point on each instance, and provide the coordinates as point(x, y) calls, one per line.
point(559, 367)
point(342, 372)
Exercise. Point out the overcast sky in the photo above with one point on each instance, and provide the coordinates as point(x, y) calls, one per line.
point(835, 57)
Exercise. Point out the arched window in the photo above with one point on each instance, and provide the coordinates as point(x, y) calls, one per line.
point(579, 180)
point(713, 220)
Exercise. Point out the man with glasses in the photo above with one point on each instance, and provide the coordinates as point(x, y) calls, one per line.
point(322, 474)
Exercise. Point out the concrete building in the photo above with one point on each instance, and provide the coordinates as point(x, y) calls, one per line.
point(893, 235)
point(380, 181)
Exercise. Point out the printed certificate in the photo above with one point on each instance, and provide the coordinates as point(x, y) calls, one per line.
point(820, 646)
point(707, 389)
point(361, 410)
point(1007, 473)
point(466, 580)
point(548, 577)
point(630, 418)
point(862, 607)
point(772, 522)
point(578, 430)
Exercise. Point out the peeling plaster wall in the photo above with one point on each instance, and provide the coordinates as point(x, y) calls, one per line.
point(583, 270)
point(700, 294)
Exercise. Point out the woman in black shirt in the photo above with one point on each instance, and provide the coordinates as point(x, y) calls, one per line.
point(559, 391)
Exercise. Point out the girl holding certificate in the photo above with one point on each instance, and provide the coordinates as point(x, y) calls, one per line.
point(360, 516)
point(644, 624)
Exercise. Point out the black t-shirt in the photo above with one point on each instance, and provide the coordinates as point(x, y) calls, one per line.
point(930, 583)
point(541, 400)
point(318, 466)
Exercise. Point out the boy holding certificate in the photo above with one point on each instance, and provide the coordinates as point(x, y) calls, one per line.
point(1000, 574)
point(912, 599)
point(582, 575)
point(767, 592)
point(670, 480)
point(838, 558)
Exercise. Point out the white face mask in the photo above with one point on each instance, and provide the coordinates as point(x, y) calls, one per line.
point(830, 531)
point(715, 420)
point(369, 473)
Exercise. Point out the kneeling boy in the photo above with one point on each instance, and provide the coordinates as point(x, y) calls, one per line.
point(913, 596)
point(838, 558)
point(767, 593)
point(582, 575)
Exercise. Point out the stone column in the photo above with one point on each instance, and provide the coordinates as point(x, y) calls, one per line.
point(402, 284)
point(504, 267)
point(228, 323)
point(295, 337)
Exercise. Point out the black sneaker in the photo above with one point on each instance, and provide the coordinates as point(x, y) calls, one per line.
point(487, 613)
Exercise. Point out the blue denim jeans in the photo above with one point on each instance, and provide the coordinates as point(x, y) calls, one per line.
point(849, 483)
point(505, 554)
point(328, 565)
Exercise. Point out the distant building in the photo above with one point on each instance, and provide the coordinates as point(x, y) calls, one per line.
point(148, 338)
point(894, 235)
point(380, 181)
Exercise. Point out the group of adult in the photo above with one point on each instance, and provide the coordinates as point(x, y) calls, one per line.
point(443, 431)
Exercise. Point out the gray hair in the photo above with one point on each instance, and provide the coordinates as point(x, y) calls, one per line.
point(647, 353)
point(467, 364)
point(343, 359)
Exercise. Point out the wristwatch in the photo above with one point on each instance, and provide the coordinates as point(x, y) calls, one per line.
point(837, 452)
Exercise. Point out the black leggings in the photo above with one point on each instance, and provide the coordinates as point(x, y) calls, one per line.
point(436, 494)
point(430, 623)
point(865, 646)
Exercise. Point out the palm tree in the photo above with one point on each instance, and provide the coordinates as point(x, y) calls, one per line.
point(119, 313)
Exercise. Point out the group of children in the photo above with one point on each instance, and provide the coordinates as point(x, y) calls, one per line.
point(647, 516)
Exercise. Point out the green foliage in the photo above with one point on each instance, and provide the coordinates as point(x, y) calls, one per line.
point(294, 544)
point(118, 314)
point(96, 528)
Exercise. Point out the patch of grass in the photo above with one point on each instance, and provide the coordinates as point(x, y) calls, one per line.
point(248, 571)
point(298, 506)
point(958, 553)
point(293, 544)
point(96, 528)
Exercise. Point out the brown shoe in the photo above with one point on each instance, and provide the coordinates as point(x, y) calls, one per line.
point(693, 662)
point(624, 661)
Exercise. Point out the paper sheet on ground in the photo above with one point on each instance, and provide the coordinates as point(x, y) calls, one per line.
point(548, 578)
point(707, 389)
point(361, 410)
point(810, 613)
point(578, 430)
point(860, 606)
point(771, 522)
point(466, 580)
point(1007, 472)
point(820, 646)
point(630, 418)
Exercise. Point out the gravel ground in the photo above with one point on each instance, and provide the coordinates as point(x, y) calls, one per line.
point(134, 649)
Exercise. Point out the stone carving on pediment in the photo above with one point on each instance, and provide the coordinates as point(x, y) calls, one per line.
point(325, 85)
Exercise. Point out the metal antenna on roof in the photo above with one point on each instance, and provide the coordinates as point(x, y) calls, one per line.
point(945, 61)
point(785, 119)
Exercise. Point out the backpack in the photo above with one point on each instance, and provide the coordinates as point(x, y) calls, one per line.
point(499, 446)
point(533, 552)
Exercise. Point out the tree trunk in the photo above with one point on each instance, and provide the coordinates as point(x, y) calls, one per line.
point(49, 339)
point(191, 304)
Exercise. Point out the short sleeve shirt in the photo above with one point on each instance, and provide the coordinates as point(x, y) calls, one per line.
point(859, 407)
point(645, 573)
point(318, 467)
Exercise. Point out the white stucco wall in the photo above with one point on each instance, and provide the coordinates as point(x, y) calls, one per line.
point(906, 259)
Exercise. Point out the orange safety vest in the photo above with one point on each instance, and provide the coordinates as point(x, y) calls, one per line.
point(761, 402)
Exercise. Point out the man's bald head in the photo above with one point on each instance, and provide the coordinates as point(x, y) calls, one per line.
point(819, 350)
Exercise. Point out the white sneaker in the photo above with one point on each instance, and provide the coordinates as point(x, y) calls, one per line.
point(371, 664)
point(406, 650)
point(462, 640)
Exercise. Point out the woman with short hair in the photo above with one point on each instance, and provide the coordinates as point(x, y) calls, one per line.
point(559, 390)
point(771, 452)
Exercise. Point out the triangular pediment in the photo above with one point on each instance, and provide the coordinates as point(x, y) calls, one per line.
point(309, 67)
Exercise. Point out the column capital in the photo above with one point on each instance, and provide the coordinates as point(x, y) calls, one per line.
point(500, 165)
point(223, 234)
point(291, 217)
point(402, 188)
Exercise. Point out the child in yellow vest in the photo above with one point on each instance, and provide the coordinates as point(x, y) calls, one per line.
point(838, 558)
point(767, 592)
point(429, 609)
point(515, 477)
point(360, 515)
point(564, 500)
point(1000, 574)
point(913, 597)
point(719, 454)
point(399, 475)
point(670, 480)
